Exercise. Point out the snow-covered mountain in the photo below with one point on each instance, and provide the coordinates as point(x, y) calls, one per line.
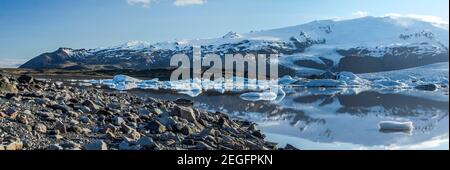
point(361, 45)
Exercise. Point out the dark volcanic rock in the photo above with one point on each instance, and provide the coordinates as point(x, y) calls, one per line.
point(73, 118)
point(26, 79)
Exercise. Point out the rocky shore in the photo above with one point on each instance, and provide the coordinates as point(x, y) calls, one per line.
point(51, 116)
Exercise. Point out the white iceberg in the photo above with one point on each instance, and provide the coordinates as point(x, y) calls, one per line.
point(387, 83)
point(351, 79)
point(123, 82)
point(286, 80)
point(395, 126)
point(259, 96)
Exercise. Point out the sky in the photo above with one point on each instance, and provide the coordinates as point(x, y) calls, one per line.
point(31, 27)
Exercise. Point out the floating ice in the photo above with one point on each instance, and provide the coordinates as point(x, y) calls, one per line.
point(395, 126)
point(286, 80)
point(387, 83)
point(124, 78)
point(123, 82)
point(351, 79)
point(259, 96)
point(191, 87)
point(149, 84)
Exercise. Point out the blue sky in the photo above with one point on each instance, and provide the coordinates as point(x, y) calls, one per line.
point(31, 27)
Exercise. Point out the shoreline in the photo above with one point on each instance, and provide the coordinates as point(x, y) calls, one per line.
point(37, 115)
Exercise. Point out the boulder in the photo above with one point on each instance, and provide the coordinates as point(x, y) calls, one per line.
point(185, 113)
point(25, 79)
point(96, 145)
point(7, 87)
point(156, 127)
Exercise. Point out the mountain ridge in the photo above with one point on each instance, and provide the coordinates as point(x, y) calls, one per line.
point(386, 43)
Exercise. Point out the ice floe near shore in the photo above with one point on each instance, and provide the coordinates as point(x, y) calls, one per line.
point(395, 126)
point(420, 78)
point(437, 73)
point(259, 96)
point(194, 87)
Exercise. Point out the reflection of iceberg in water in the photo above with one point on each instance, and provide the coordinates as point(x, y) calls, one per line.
point(195, 87)
point(276, 95)
point(354, 119)
point(342, 117)
point(394, 126)
point(331, 118)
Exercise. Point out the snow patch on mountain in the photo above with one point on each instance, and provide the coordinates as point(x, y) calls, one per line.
point(231, 35)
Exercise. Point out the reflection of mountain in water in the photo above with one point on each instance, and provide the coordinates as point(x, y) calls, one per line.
point(336, 118)
point(396, 104)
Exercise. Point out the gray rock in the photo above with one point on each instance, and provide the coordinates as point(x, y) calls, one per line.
point(126, 129)
point(57, 137)
point(258, 134)
point(71, 144)
point(27, 112)
point(55, 147)
point(104, 112)
point(25, 79)
point(203, 146)
point(85, 119)
point(124, 145)
point(188, 142)
point(96, 145)
point(146, 142)
point(290, 147)
point(118, 121)
point(63, 108)
point(7, 87)
point(156, 111)
point(156, 127)
point(185, 113)
point(41, 128)
point(134, 135)
point(186, 130)
point(12, 146)
point(143, 112)
point(168, 122)
point(91, 105)
point(61, 127)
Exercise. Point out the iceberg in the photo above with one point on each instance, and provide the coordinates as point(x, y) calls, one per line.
point(351, 79)
point(387, 83)
point(191, 87)
point(122, 82)
point(286, 80)
point(259, 96)
point(395, 126)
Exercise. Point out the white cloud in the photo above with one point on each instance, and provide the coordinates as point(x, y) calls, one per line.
point(427, 18)
point(143, 3)
point(188, 2)
point(146, 3)
point(405, 19)
point(360, 14)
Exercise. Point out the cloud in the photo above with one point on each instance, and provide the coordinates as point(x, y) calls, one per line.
point(426, 18)
point(188, 2)
point(146, 3)
point(143, 3)
point(360, 14)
